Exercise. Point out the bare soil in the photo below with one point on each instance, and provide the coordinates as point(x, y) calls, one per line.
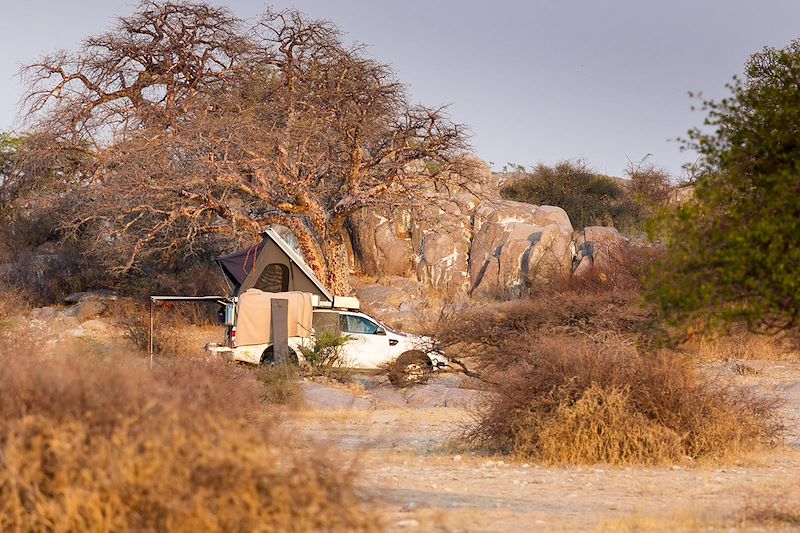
point(412, 467)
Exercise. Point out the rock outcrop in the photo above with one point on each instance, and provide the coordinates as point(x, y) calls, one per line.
point(518, 245)
point(477, 244)
point(400, 302)
point(467, 245)
point(382, 242)
point(442, 238)
point(599, 247)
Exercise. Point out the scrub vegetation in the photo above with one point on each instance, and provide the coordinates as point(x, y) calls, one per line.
point(105, 444)
point(585, 377)
point(181, 133)
point(591, 198)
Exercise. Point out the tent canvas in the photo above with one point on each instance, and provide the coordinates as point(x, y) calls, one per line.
point(271, 266)
point(253, 324)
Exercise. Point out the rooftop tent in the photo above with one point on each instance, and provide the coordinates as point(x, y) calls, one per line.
point(237, 265)
point(271, 266)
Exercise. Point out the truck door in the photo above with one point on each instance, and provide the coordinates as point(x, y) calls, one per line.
point(368, 346)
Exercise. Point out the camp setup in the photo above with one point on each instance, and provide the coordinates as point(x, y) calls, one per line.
point(277, 306)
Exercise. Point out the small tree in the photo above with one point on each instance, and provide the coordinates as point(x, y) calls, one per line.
point(9, 148)
point(588, 198)
point(197, 128)
point(734, 252)
point(649, 188)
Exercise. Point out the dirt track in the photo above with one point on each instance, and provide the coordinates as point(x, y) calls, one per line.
point(410, 468)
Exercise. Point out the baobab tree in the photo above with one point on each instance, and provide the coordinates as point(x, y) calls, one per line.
point(198, 127)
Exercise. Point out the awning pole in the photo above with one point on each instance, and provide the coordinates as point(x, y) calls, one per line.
point(150, 337)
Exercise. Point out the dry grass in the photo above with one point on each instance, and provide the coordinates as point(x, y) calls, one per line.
point(580, 380)
point(680, 520)
point(602, 426)
point(12, 304)
point(766, 509)
point(108, 445)
point(778, 508)
point(742, 345)
point(281, 383)
point(180, 330)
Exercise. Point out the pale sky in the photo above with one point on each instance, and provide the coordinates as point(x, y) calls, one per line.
point(536, 81)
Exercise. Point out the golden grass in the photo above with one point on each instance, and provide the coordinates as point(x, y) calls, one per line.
point(90, 444)
point(742, 345)
point(602, 426)
point(677, 521)
point(764, 509)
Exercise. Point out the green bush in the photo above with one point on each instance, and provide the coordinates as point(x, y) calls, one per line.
point(589, 198)
point(734, 252)
point(324, 356)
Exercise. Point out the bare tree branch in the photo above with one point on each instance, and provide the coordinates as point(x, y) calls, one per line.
point(199, 128)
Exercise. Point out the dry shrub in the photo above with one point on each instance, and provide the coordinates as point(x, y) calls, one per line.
point(109, 445)
point(618, 268)
point(13, 303)
point(484, 335)
point(11, 306)
point(577, 379)
point(579, 401)
point(602, 426)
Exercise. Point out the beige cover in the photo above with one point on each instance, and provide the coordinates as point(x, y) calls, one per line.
point(253, 320)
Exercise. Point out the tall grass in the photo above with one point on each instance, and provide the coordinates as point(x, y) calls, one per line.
point(89, 444)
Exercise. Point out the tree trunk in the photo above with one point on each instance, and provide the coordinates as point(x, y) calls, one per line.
point(338, 272)
point(328, 258)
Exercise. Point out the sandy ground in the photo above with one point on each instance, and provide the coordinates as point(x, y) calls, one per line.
point(411, 468)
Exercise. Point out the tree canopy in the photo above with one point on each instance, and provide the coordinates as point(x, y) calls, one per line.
point(734, 252)
point(195, 126)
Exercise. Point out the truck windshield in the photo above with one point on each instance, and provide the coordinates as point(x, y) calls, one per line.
point(357, 324)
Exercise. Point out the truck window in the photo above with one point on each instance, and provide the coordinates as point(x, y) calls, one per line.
point(326, 321)
point(357, 324)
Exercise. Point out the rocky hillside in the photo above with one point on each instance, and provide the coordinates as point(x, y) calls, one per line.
point(477, 244)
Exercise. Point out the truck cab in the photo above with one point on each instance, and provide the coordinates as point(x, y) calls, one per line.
point(371, 343)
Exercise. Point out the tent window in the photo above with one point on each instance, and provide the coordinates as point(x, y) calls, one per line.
point(274, 278)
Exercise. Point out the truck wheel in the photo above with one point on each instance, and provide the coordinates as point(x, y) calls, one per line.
point(411, 368)
point(268, 357)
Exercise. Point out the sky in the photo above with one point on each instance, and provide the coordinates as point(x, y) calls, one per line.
point(535, 81)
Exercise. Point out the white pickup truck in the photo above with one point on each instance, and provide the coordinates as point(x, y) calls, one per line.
point(370, 344)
